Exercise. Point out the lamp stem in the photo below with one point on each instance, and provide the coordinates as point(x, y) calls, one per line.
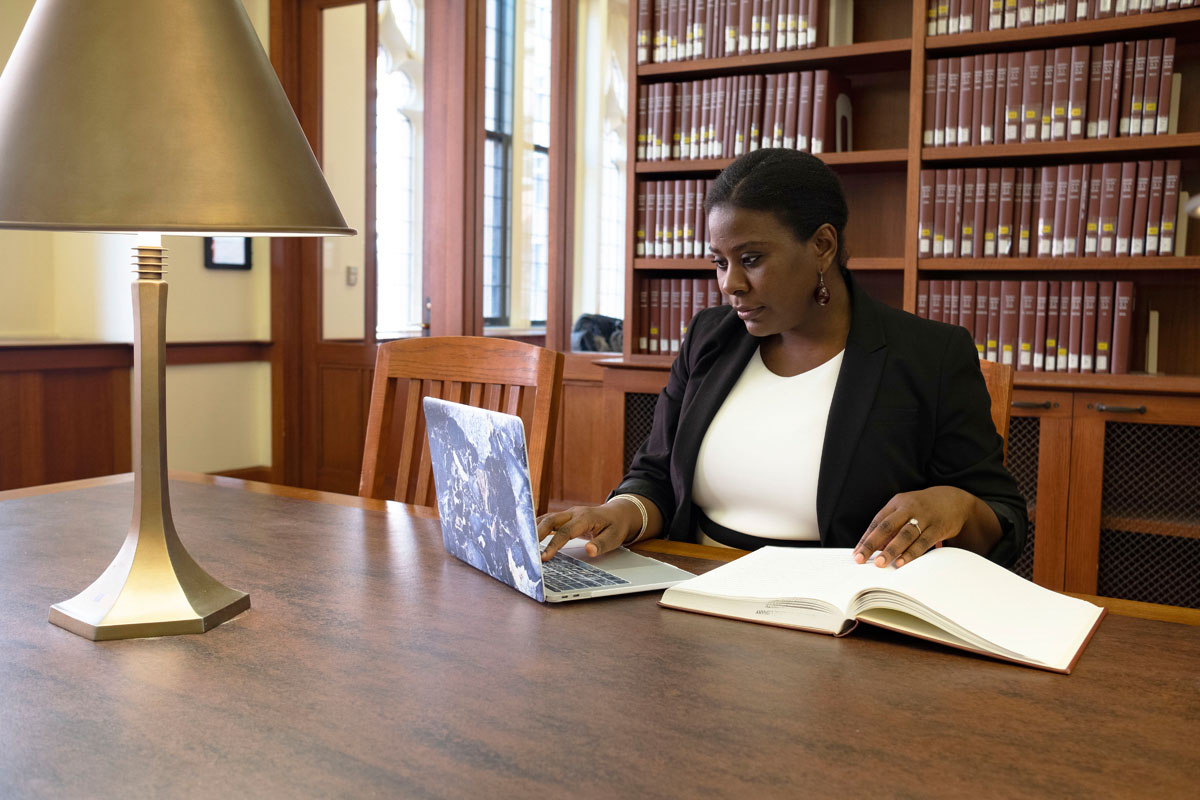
point(153, 587)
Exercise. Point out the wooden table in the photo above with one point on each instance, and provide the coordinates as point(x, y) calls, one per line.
point(372, 664)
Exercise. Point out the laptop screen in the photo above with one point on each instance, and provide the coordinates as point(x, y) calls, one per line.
point(484, 494)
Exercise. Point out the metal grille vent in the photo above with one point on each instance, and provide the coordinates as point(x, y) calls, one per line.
point(639, 419)
point(1023, 437)
point(1150, 514)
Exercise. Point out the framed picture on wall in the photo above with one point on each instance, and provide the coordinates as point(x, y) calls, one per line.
point(227, 252)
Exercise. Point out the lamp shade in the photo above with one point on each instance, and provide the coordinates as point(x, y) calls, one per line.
point(145, 115)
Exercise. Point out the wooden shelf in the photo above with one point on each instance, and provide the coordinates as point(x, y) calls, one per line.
point(859, 57)
point(857, 264)
point(855, 160)
point(1122, 264)
point(1091, 30)
point(1155, 525)
point(1131, 383)
point(1115, 149)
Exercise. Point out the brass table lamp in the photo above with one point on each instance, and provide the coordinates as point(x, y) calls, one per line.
point(152, 117)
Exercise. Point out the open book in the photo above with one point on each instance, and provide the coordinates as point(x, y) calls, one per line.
point(948, 595)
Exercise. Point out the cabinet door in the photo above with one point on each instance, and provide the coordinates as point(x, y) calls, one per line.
point(1134, 516)
point(1039, 457)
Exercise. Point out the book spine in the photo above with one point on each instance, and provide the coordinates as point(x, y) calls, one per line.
point(1166, 75)
point(937, 288)
point(1125, 103)
point(1031, 96)
point(1087, 350)
point(1010, 293)
point(1138, 95)
point(1104, 109)
point(1170, 210)
point(1070, 242)
point(805, 123)
point(995, 289)
point(986, 131)
point(939, 217)
point(1025, 212)
point(1104, 325)
point(1026, 325)
point(923, 299)
point(966, 99)
point(992, 218)
point(1141, 209)
point(1091, 126)
point(1077, 95)
point(925, 215)
point(1122, 326)
point(1125, 207)
point(1154, 54)
point(1075, 337)
point(1012, 99)
point(982, 300)
point(1039, 326)
point(652, 315)
point(1062, 93)
point(1004, 224)
point(1045, 213)
point(966, 236)
point(929, 108)
point(1051, 343)
point(1091, 236)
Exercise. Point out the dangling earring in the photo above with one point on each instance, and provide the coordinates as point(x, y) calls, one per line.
point(821, 293)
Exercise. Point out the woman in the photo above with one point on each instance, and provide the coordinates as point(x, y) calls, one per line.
point(805, 412)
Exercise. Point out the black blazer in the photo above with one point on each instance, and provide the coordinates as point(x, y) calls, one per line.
point(910, 410)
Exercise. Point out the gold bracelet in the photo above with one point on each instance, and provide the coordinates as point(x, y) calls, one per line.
point(640, 507)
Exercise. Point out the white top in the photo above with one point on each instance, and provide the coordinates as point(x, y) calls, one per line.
point(760, 458)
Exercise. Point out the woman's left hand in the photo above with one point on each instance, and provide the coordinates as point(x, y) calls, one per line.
point(939, 511)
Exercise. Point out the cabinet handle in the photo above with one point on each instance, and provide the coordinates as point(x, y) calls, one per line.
point(1031, 404)
point(1121, 409)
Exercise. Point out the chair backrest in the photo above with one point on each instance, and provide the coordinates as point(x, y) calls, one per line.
point(497, 374)
point(999, 380)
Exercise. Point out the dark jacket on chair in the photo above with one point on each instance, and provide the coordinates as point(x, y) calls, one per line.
point(910, 410)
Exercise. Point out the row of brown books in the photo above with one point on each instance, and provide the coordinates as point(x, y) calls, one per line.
point(726, 117)
point(666, 307)
point(1127, 208)
point(1081, 92)
point(680, 30)
point(1044, 326)
point(670, 219)
point(964, 16)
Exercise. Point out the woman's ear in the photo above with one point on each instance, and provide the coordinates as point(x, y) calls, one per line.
point(825, 245)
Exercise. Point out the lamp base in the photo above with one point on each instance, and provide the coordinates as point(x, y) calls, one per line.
point(61, 615)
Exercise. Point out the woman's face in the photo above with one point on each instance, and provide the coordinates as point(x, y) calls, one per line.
point(767, 274)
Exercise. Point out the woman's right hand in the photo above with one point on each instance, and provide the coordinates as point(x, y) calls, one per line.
point(607, 526)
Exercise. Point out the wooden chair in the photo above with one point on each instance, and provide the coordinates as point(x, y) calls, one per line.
point(497, 374)
point(999, 380)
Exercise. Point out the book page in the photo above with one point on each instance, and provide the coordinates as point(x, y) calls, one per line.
point(996, 605)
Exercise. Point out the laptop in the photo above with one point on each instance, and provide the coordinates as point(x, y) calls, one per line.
point(485, 500)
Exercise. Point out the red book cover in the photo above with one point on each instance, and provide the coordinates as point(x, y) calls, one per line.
point(643, 325)
point(700, 225)
point(780, 119)
point(1154, 53)
point(1064, 325)
point(791, 110)
point(939, 215)
point(937, 287)
point(1087, 349)
point(715, 298)
point(1080, 219)
point(1091, 127)
point(639, 239)
point(676, 314)
point(1026, 325)
point(966, 237)
point(1138, 96)
point(966, 306)
point(1166, 73)
point(1122, 327)
point(977, 101)
point(1031, 95)
point(1104, 325)
point(986, 122)
point(685, 306)
point(966, 98)
point(644, 21)
point(1077, 95)
point(982, 301)
point(923, 299)
point(828, 87)
point(953, 99)
point(1141, 209)
point(953, 224)
point(768, 116)
point(979, 220)
point(745, 12)
point(925, 215)
point(1070, 244)
point(1039, 326)
point(1010, 297)
point(1108, 70)
point(1001, 96)
point(1075, 332)
point(1004, 224)
point(992, 216)
point(1110, 202)
point(654, 332)
point(643, 119)
point(1013, 95)
point(804, 124)
point(992, 351)
point(664, 317)
point(1118, 88)
point(950, 295)
point(1047, 97)
point(1062, 93)
point(1125, 104)
point(1045, 212)
point(1125, 207)
point(766, 27)
point(683, 136)
point(699, 297)
point(756, 111)
point(1170, 208)
point(1052, 292)
point(930, 104)
point(1024, 223)
point(1091, 238)
point(687, 243)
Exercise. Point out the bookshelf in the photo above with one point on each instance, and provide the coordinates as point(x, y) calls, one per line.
point(1064, 448)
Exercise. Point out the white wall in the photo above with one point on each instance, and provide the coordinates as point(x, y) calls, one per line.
point(77, 286)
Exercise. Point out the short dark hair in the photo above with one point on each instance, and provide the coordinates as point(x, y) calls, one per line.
point(797, 187)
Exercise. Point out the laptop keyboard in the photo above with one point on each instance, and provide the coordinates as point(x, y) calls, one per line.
point(565, 573)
